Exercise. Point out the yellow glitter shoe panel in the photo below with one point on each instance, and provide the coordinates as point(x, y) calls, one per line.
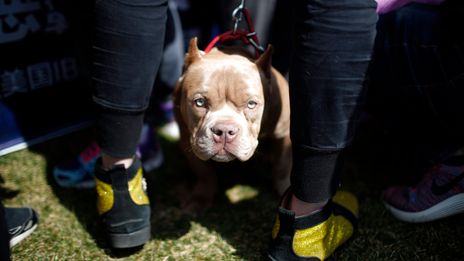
point(105, 197)
point(275, 229)
point(321, 241)
point(348, 201)
point(136, 189)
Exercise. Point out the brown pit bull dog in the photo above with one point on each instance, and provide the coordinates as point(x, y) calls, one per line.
point(225, 103)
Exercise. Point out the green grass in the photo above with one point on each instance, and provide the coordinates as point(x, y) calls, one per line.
point(69, 230)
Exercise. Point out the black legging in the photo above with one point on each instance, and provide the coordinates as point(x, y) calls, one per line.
point(127, 52)
point(4, 235)
point(334, 42)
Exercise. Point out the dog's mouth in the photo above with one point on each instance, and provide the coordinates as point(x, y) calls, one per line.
point(206, 148)
point(223, 155)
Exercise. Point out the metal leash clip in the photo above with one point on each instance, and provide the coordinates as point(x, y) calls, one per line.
point(255, 44)
point(248, 35)
point(237, 15)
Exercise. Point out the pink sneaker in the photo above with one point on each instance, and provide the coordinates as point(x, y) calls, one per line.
point(439, 194)
point(79, 172)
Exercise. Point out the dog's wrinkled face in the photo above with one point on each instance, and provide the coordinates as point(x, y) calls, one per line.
point(222, 105)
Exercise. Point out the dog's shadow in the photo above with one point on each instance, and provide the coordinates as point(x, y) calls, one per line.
point(242, 214)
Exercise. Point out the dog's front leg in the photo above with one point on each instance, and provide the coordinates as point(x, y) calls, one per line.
point(205, 185)
point(282, 164)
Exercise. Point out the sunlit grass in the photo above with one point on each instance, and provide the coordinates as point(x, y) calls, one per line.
point(241, 192)
point(237, 227)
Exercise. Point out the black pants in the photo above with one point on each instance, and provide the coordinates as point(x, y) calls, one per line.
point(334, 42)
point(4, 235)
point(127, 50)
point(417, 86)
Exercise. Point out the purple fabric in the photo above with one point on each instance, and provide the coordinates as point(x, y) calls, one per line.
point(385, 6)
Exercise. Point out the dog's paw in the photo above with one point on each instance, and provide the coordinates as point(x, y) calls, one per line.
point(196, 199)
point(196, 205)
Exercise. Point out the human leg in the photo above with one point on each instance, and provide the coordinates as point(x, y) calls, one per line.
point(334, 43)
point(78, 172)
point(422, 59)
point(127, 52)
point(4, 235)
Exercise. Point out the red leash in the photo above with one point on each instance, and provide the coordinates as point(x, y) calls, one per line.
point(248, 36)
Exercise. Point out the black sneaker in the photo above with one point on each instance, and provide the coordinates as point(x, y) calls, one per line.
point(21, 222)
point(123, 205)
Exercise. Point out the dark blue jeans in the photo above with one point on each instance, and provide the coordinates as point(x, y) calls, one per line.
point(334, 42)
point(127, 50)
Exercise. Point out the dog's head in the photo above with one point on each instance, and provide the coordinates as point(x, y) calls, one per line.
point(220, 101)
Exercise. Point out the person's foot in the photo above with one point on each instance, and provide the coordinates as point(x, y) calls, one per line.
point(123, 205)
point(79, 172)
point(315, 236)
point(439, 194)
point(21, 222)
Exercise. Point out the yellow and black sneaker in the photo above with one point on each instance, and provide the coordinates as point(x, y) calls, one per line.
point(123, 204)
point(316, 236)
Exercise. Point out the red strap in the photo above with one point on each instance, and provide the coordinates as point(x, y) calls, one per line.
point(247, 36)
point(251, 28)
point(226, 37)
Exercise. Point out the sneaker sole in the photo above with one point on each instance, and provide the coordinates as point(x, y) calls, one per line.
point(451, 206)
point(17, 239)
point(133, 239)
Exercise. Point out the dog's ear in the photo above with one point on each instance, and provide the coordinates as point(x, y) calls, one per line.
point(264, 62)
point(193, 53)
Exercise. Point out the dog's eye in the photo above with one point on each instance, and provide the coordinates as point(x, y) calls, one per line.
point(200, 102)
point(251, 104)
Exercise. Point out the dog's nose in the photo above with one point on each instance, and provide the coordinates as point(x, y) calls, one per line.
point(223, 132)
